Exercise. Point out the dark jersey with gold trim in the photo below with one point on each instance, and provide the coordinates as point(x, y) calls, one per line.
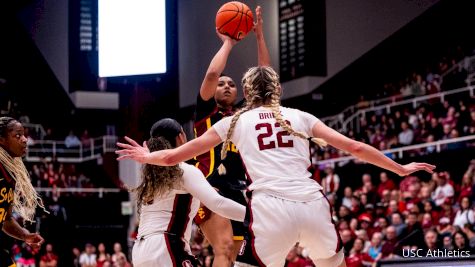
point(7, 189)
point(207, 114)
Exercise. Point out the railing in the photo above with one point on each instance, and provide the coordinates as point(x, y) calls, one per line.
point(100, 191)
point(353, 119)
point(35, 129)
point(336, 121)
point(438, 146)
point(48, 150)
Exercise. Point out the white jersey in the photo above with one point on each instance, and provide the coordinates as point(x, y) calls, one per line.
point(276, 163)
point(173, 213)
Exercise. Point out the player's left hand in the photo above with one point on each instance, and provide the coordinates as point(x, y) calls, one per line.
point(259, 21)
point(416, 166)
point(34, 240)
point(133, 151)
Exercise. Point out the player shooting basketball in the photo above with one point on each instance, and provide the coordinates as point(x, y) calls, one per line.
point(215, 101)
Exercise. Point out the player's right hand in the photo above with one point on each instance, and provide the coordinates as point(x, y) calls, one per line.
point(225, 38)
point(34, 240)
point(133, 151)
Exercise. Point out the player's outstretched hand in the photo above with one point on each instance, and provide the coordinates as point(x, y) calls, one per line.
point(34, 240)
point(416, 166)
point(225, 38)
point(133, 151)
point(259, 21)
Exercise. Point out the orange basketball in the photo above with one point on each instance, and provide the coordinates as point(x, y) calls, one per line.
point(235, 20)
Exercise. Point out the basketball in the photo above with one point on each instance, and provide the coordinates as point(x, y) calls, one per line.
point(235, 20)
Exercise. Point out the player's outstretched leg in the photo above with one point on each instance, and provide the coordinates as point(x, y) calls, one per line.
point(219, 233)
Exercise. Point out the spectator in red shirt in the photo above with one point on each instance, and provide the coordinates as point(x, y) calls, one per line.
point(407, 182)
point(357, 257)
point(424, 194)
point(346, 240)
point(365, 221)
point(365, 179)
point(429, 208)
point(386, 183)
point(294, 260)
point(331, 182)
point(49, 259)
point(396, 195)
point(427, 221)
point(393, 207)
point(389, 245)
point(465, 187)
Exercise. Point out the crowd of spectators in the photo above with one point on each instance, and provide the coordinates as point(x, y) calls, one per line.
point(385, 219)
point(450, 72)
point(87, 256)
point(92, 257)
point(428, 122)
point(58, 175)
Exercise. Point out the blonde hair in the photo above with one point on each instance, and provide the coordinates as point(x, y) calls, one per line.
point(261, 85)
point(25, 199)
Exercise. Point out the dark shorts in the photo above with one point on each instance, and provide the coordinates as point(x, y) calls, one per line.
point(5, 259)
point(228, 187)
point(239, 229)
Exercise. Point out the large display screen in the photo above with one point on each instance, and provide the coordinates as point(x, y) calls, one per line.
point(132, 37)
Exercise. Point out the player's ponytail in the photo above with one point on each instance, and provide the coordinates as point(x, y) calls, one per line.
point(157, 180)
point(227, 142)
point(262, 87)
point(267, 86)
point(275, 104)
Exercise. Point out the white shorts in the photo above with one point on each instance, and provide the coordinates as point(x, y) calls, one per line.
point(156, 251)
point(276, 225)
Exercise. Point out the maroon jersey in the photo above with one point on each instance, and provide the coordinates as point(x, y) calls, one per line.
point(7, 189)
point(207, 114)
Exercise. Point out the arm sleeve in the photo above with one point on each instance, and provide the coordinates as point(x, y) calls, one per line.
point(308, 121)
point(222, 127)
point(196, 184)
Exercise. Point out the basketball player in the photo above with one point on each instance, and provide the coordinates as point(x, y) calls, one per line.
point(168, 199)
point(16, 191)
point(215, 101)
point(286, 206)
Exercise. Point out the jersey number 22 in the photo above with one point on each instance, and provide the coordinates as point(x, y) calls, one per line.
point(269, 131)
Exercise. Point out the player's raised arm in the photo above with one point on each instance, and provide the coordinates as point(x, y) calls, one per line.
point(263, 56)
point(366, 152)
point(168, 157)
point(216, 67)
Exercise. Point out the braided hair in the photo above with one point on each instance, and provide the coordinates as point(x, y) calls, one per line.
point(25, 199)
point(261, 85)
